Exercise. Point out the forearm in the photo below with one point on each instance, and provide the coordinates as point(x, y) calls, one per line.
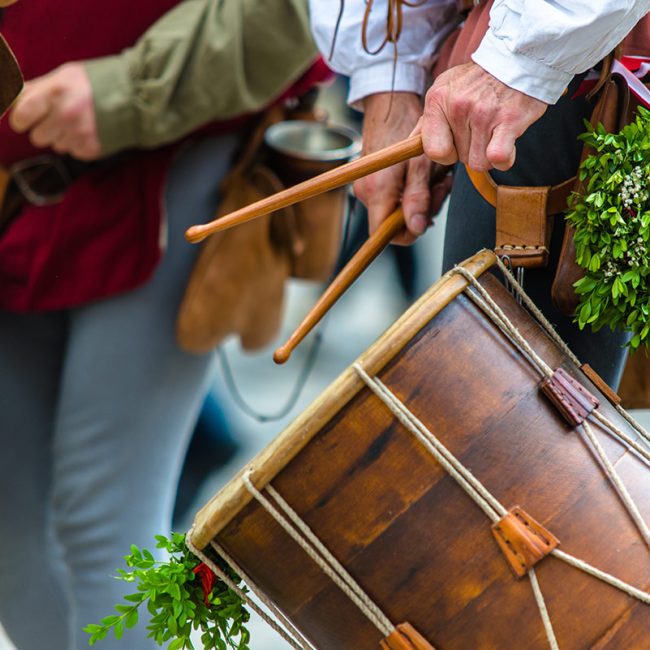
point(538, 46)
point(204, 60)
point(423, 28)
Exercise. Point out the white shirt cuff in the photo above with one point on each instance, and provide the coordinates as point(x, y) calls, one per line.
point(378, 78)
point(521, 72)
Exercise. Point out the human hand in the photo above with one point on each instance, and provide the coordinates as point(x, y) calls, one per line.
point(472, 117)
point(384, 124)
point(57, 110)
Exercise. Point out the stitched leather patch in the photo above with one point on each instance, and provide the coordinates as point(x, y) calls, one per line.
point(523, 540)
point(523, 227)
point(570, 397)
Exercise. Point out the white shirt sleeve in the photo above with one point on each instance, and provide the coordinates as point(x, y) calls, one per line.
point(424, 27)
point(536, 46)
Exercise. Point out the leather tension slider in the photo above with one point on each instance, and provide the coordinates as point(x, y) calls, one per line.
point(405, 637)
point(523, 540)
point(570, 397)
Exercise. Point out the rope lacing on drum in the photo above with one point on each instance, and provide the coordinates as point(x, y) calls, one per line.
point(494, 510)
point(483, 498)
point(492, 309)
point(291, 522)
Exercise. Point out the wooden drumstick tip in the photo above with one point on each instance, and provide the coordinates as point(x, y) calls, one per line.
point(282, 354)
point(195, 234)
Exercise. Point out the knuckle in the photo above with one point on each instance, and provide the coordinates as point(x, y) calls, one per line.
point(69, 113)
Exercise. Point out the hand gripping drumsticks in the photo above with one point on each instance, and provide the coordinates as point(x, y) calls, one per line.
point(330, 180)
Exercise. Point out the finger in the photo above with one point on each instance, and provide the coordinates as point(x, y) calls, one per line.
point(29, 109)
point(437, 136)
point(417, 128)
point(47, 132)
point(480, 137)
point(87, 148)
point(380, 192)
point(501, 151)
point(67, 145)
point(416, 197)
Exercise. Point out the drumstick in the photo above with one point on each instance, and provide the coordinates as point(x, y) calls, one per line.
point(330, 180)
point(359, 262)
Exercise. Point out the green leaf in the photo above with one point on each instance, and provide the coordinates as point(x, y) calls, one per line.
point(131, 619)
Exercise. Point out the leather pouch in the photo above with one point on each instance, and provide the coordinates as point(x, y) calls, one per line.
point(237, 284)
point(523, 227)
point(611, 110)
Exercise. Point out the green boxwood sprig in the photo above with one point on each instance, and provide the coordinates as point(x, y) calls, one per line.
point(181, 595)
point(611, 218)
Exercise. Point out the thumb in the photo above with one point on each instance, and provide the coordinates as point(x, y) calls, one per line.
point(416, 198)
point(33, 104)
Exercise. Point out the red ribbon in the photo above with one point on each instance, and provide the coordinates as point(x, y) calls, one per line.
point(207, 579)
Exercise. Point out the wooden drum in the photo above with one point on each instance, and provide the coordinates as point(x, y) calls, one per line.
point(460, 562)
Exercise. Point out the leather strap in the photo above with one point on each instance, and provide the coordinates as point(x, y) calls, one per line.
point(487, 188)
point(523, 230)
point(600, 384)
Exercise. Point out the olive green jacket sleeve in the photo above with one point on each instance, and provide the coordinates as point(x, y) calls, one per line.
point(203, 60)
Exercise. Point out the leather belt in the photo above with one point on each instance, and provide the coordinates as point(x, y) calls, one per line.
point(40, 181)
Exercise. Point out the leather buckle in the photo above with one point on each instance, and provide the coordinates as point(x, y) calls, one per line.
point(42, 180)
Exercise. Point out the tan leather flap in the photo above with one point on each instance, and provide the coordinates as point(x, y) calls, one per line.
point(523, 228)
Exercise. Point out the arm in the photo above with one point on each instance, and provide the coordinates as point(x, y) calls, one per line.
point(388, 119)
point(424, 27)
point(203, 60)
point(474, 113)
point(537, 47)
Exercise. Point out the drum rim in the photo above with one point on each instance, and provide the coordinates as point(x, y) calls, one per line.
point(226, 504)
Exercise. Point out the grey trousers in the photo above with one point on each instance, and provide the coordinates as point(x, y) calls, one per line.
point(96, 406)
point(547, 154)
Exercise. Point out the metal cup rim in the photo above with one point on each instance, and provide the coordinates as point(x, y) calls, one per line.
point(271, 139)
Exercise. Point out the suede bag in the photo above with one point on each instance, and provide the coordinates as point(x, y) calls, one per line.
point(237, 284)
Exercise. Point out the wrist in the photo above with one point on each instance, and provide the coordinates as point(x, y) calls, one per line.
point(389, 117)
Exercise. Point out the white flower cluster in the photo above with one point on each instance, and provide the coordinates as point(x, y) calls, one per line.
point(635, 253)
point(611, 269)
point(634, 188)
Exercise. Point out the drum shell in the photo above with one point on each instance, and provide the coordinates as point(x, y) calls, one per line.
point(421, 549)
